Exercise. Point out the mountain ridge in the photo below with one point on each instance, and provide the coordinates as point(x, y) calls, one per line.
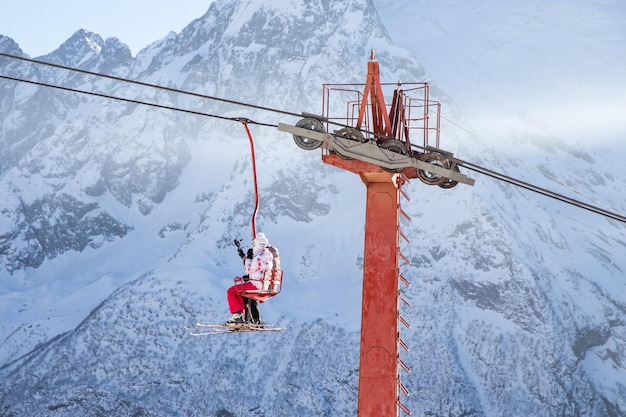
point(501, 323)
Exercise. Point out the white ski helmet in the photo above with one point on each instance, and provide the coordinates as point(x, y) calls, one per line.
point(260, 240)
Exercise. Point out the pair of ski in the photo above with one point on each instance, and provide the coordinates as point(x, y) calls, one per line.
point(210, 329)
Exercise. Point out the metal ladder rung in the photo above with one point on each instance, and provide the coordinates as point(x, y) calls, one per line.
point(406, 281)
point(405, 195)
point(404, 366)
point(404, 408)
point(404, 258)
point(403, 236)
point(404, 345)
point(405, 215)
point(405, 301)
point(404, 390)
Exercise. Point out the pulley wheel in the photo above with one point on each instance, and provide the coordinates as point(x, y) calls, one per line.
point(351, 134)
point(394, 145)
point(433, 159)
point(448, 183)
point(305, 143)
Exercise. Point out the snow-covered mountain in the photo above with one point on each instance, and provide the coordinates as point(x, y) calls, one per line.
point(557, 65)
point(118, 222)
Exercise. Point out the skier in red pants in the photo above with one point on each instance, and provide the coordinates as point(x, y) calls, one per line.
point(256, 262)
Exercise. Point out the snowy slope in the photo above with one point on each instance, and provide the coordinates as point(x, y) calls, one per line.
point(518, 302)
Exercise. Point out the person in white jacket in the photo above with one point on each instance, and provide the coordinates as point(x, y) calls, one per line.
point(256, 261)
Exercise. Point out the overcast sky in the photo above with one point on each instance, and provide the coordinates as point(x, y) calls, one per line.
point(41, 26)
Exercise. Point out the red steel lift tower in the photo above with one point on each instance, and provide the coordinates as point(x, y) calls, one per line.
point(374, 143)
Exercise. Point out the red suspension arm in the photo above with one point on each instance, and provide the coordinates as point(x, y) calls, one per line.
point(256, 187)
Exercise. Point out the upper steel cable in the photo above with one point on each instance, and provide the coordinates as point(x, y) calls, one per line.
point(534, 188)
point(544, 192)
point(144, 84)
point(155, 86)
point(470, 166)
point(545, 174)
point(129, 100)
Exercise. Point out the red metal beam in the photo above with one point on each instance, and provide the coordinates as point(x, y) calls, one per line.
point(373, 93)
point(378, 370)
point(378, 389)
point(256, 185)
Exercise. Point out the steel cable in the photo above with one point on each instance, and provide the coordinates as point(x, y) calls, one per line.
point(468, 165)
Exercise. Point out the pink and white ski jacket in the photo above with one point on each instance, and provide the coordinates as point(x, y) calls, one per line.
point(256, 267)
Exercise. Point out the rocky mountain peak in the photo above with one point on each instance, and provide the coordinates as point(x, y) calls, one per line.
point(78, 50)
point(118, 219)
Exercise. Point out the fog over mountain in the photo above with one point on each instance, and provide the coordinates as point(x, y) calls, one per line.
point(551, 67)
point(117, 223)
